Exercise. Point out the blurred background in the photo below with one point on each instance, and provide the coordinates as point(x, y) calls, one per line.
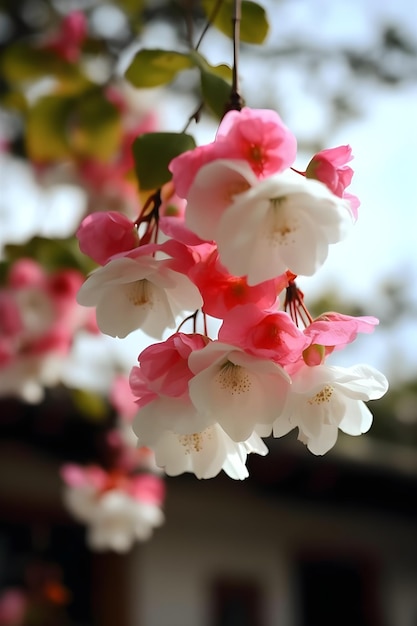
point(304, 541)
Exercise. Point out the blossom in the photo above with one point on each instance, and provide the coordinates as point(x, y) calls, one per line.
point(164, 366)
point(335, 330)
point(13, 606)
point(261, 138)
point(38, 319)
point(115, 520)
point(263, 228)
point(256, 136)
point(140, 292)
point(106, 233)
point(324, 398)
point(236, 389)
point(68, 40)
point(266, 334)
point(203, 453)
point(118, 509)
point(222, 291)
point(330, 167)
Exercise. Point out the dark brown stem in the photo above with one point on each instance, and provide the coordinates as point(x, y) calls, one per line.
point(194, 116)
point(189, 23)
point(236, 102)
point(209, 22)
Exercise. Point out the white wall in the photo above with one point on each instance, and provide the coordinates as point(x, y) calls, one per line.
point(222, 528)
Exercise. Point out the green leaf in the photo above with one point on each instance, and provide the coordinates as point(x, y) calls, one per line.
point(254, 25)
point(46, 136)
point(215, 91)
point(151, 68)
point(95, 126)
point(21, 62)
point(60, 127)
point(153, 153)
point(90, 405)
point(52, 254)
point(215, 84)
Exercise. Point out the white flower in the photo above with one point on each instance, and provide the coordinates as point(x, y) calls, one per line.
point(164, 413)
point(115, 519)
point(262, 228)
point(138, 293)
point(235, 389)
point(325, 398)
point(203, 453)
point(26, 376)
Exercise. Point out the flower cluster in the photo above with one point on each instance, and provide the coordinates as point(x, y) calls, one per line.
point(251, 225)
point(120, 505)
point(39, 318)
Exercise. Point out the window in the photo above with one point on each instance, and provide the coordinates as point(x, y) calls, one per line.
point(236, 603)
point(337, 590)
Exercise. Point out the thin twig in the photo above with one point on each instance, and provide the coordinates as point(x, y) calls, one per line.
point(209, 22)
point(236, 101)
point(194, 116)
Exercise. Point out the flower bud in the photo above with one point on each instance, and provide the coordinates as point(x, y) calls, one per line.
point(314, 355)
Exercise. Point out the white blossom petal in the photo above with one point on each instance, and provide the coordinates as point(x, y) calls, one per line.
point(323, 399)
point(237, 390)
point(138, 293)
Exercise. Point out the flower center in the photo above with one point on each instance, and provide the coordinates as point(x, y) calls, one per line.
point(233, 378)
point(282, 225)
point(193, 442)
point(236, 188)
point(322, 396)
point(140, 292)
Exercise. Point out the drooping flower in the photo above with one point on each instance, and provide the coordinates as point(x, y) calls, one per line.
point(67, 42)
point(140, 292)
point(263, 228)
point(222, 291)
point(101, 235)
point(336, 330)
point(203, 453)
point(256, 136)
point(325, 398)
point(118, 509)
point(165, 365)
point(330, 167)
point(236, 389)
point(266, 334)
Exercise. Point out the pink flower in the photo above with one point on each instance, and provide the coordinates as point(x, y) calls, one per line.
point(104, 234)
point(26, 272)
point(335, 330)
point(11, 323)
point(121, 397)
point(260, 137)
point(165, 365)
point(78, 476)
point(329, 167)
point(67, 42)
point(266, 334)
point(147, 488)
point(119, 508)
point(222, 291)
point(13, 607)
point(256, 136)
